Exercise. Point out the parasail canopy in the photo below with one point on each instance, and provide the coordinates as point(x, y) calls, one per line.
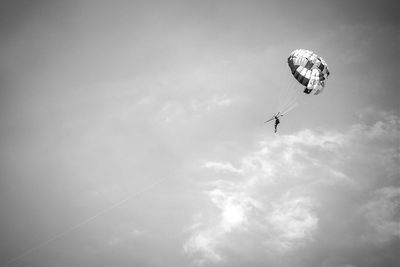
point(309, 70)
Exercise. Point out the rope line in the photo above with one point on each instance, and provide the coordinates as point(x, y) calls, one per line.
point(84, 222)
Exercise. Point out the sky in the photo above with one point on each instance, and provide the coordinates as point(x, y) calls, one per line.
point(132, 134)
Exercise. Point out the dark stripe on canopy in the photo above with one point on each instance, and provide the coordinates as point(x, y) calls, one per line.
point(304, 81)
point(309, 65)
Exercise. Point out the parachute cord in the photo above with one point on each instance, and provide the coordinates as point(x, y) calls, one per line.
point(290, 96)
point(292, 92)
point(287, 91)
point(282, 93)
point(286, 95)
point(290, 108)
point(291, 101)
point(284, 90)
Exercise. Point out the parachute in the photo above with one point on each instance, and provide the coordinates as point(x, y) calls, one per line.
point(308, 69)
point(309, 72)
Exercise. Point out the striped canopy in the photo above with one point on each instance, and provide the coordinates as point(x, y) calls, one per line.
point(309, 69)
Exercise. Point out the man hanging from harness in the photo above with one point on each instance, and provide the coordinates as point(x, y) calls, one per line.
point(276, 118)
point(276, 123)
point(308, 70)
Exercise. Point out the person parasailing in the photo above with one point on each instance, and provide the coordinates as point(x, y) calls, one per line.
point(309, 70)
point(277, 122)
point(276, 118)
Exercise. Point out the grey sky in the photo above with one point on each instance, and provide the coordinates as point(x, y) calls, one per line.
point(164, 101)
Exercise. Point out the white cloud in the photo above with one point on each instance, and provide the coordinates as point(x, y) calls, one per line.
point(282, 226)
point(138, 232)
point(234, 208)
point(171, 111)
point(278, 192)
point(293, 222)
point(184, 109)
point(207, 237)
point(383, 215)
point(219, 101)
point(210, 104)
point(202, 244)
point(222, 166)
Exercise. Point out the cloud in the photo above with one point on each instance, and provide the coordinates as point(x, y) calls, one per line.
point(284, 225)
point(284, 195)
point(170, 111)
point(206, 237)
point(222, 166)
point(382, 213)
point(202, 245)
point(173, 110)
point(211, 103)
point(293, 222)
